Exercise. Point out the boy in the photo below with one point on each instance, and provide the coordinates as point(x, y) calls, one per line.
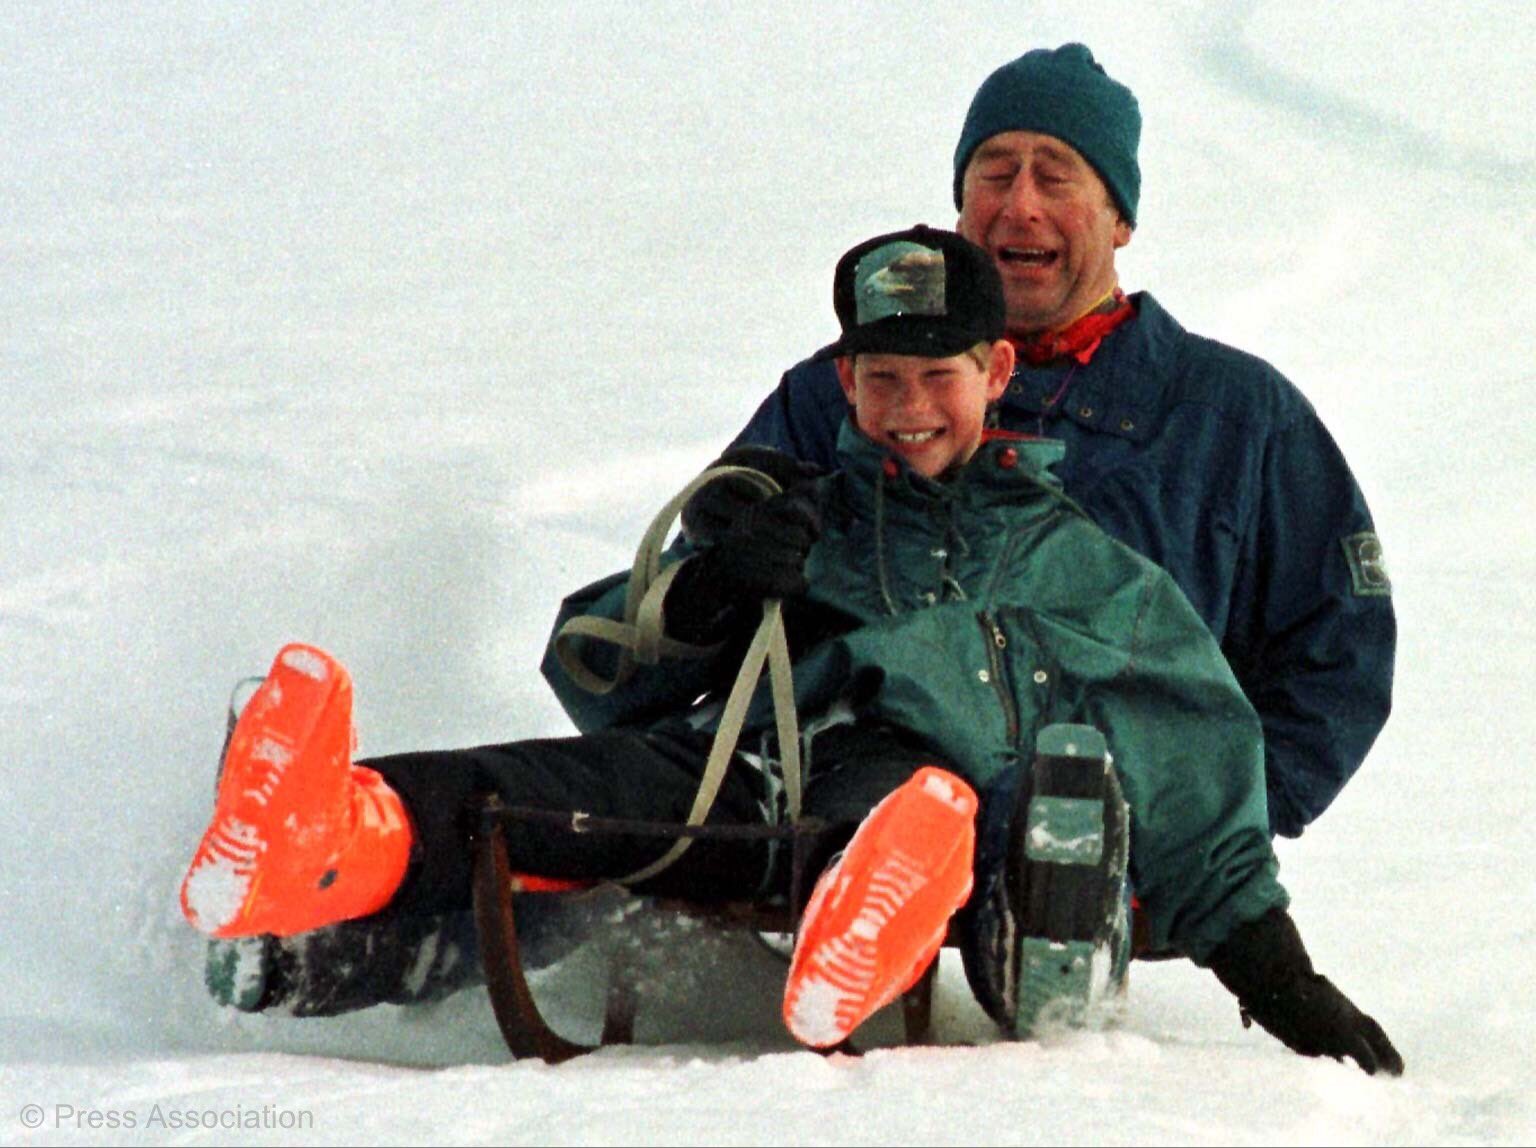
point(945, 604)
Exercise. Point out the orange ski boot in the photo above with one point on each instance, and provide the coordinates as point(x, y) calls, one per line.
point(880, 912)
point(300, 837)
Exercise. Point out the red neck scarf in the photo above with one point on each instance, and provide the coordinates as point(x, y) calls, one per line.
point(1080, 338)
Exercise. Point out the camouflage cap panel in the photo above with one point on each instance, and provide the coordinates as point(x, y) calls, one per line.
point(900, 278)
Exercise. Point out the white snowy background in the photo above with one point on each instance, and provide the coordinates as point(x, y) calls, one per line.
point(380, 326)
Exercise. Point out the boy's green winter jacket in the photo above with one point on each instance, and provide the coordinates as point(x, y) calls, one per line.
point(975, 611)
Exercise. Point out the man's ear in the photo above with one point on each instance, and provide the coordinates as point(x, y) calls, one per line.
point(845, 376)
point(1122, 232)
point(1000, 369)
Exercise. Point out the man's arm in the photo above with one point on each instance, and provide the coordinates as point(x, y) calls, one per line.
point(1313, 634)
point(802, 415)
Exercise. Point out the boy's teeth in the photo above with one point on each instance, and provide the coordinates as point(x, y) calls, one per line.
point(914, 436)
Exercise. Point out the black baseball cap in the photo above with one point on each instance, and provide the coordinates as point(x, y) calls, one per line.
point(923, 291)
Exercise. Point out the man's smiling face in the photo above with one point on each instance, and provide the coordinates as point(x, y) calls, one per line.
point(1046, 218)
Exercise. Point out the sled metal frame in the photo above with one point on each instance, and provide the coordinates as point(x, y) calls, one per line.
point(523, 1026)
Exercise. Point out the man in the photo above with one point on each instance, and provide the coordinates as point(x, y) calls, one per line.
point(1201, 457)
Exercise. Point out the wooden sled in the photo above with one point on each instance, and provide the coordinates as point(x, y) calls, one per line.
point(523, 1026)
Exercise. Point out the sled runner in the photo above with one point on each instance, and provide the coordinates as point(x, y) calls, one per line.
point(1047, 941)
point(522, 1024)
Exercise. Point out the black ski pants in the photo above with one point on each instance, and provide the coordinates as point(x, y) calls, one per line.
point(633, 775)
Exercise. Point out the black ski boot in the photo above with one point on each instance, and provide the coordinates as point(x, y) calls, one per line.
point(1048, 933)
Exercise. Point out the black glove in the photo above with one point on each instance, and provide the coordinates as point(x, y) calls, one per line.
point(761, 554)
point(709, 512)
point(1265, 965)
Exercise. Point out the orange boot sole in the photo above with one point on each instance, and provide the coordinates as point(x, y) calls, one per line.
point(299, 837)
point(879, 914)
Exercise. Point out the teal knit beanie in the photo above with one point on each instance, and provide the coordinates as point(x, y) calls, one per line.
point(1061, 92)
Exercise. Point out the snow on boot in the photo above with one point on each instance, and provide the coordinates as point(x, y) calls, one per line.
point(300, 837)
point(879, 914)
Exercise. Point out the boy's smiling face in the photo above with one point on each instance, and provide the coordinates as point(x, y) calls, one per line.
point(930, 412)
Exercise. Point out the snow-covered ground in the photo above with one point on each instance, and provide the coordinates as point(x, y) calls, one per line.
point(381, 326)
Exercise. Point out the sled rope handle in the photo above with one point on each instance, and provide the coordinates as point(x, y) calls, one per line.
point(641, 637)
point(641, 640)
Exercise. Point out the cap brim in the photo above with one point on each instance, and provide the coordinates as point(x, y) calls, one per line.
point(905, 335)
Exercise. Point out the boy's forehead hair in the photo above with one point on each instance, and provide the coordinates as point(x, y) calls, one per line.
point(979, 354)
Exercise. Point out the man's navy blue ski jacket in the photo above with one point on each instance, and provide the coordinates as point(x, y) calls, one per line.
point(1208, 461)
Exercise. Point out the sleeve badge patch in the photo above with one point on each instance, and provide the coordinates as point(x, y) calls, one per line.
point(1367, 567)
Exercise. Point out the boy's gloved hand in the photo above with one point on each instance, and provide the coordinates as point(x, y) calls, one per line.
point(1265, 965)
point(708, 513)
point(760, 554)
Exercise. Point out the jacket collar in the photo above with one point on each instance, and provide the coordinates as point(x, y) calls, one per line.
point(1006, 463)
point(1081, 338)
point(1118, 391)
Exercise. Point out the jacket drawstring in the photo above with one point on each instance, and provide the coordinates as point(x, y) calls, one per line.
point(880, 561)
point(954, 540)
point(956, 544)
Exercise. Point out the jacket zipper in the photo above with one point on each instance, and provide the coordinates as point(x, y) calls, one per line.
point(997, 642)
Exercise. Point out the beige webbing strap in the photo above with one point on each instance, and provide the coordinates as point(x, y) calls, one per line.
point(641, 640)
point(768, 645)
